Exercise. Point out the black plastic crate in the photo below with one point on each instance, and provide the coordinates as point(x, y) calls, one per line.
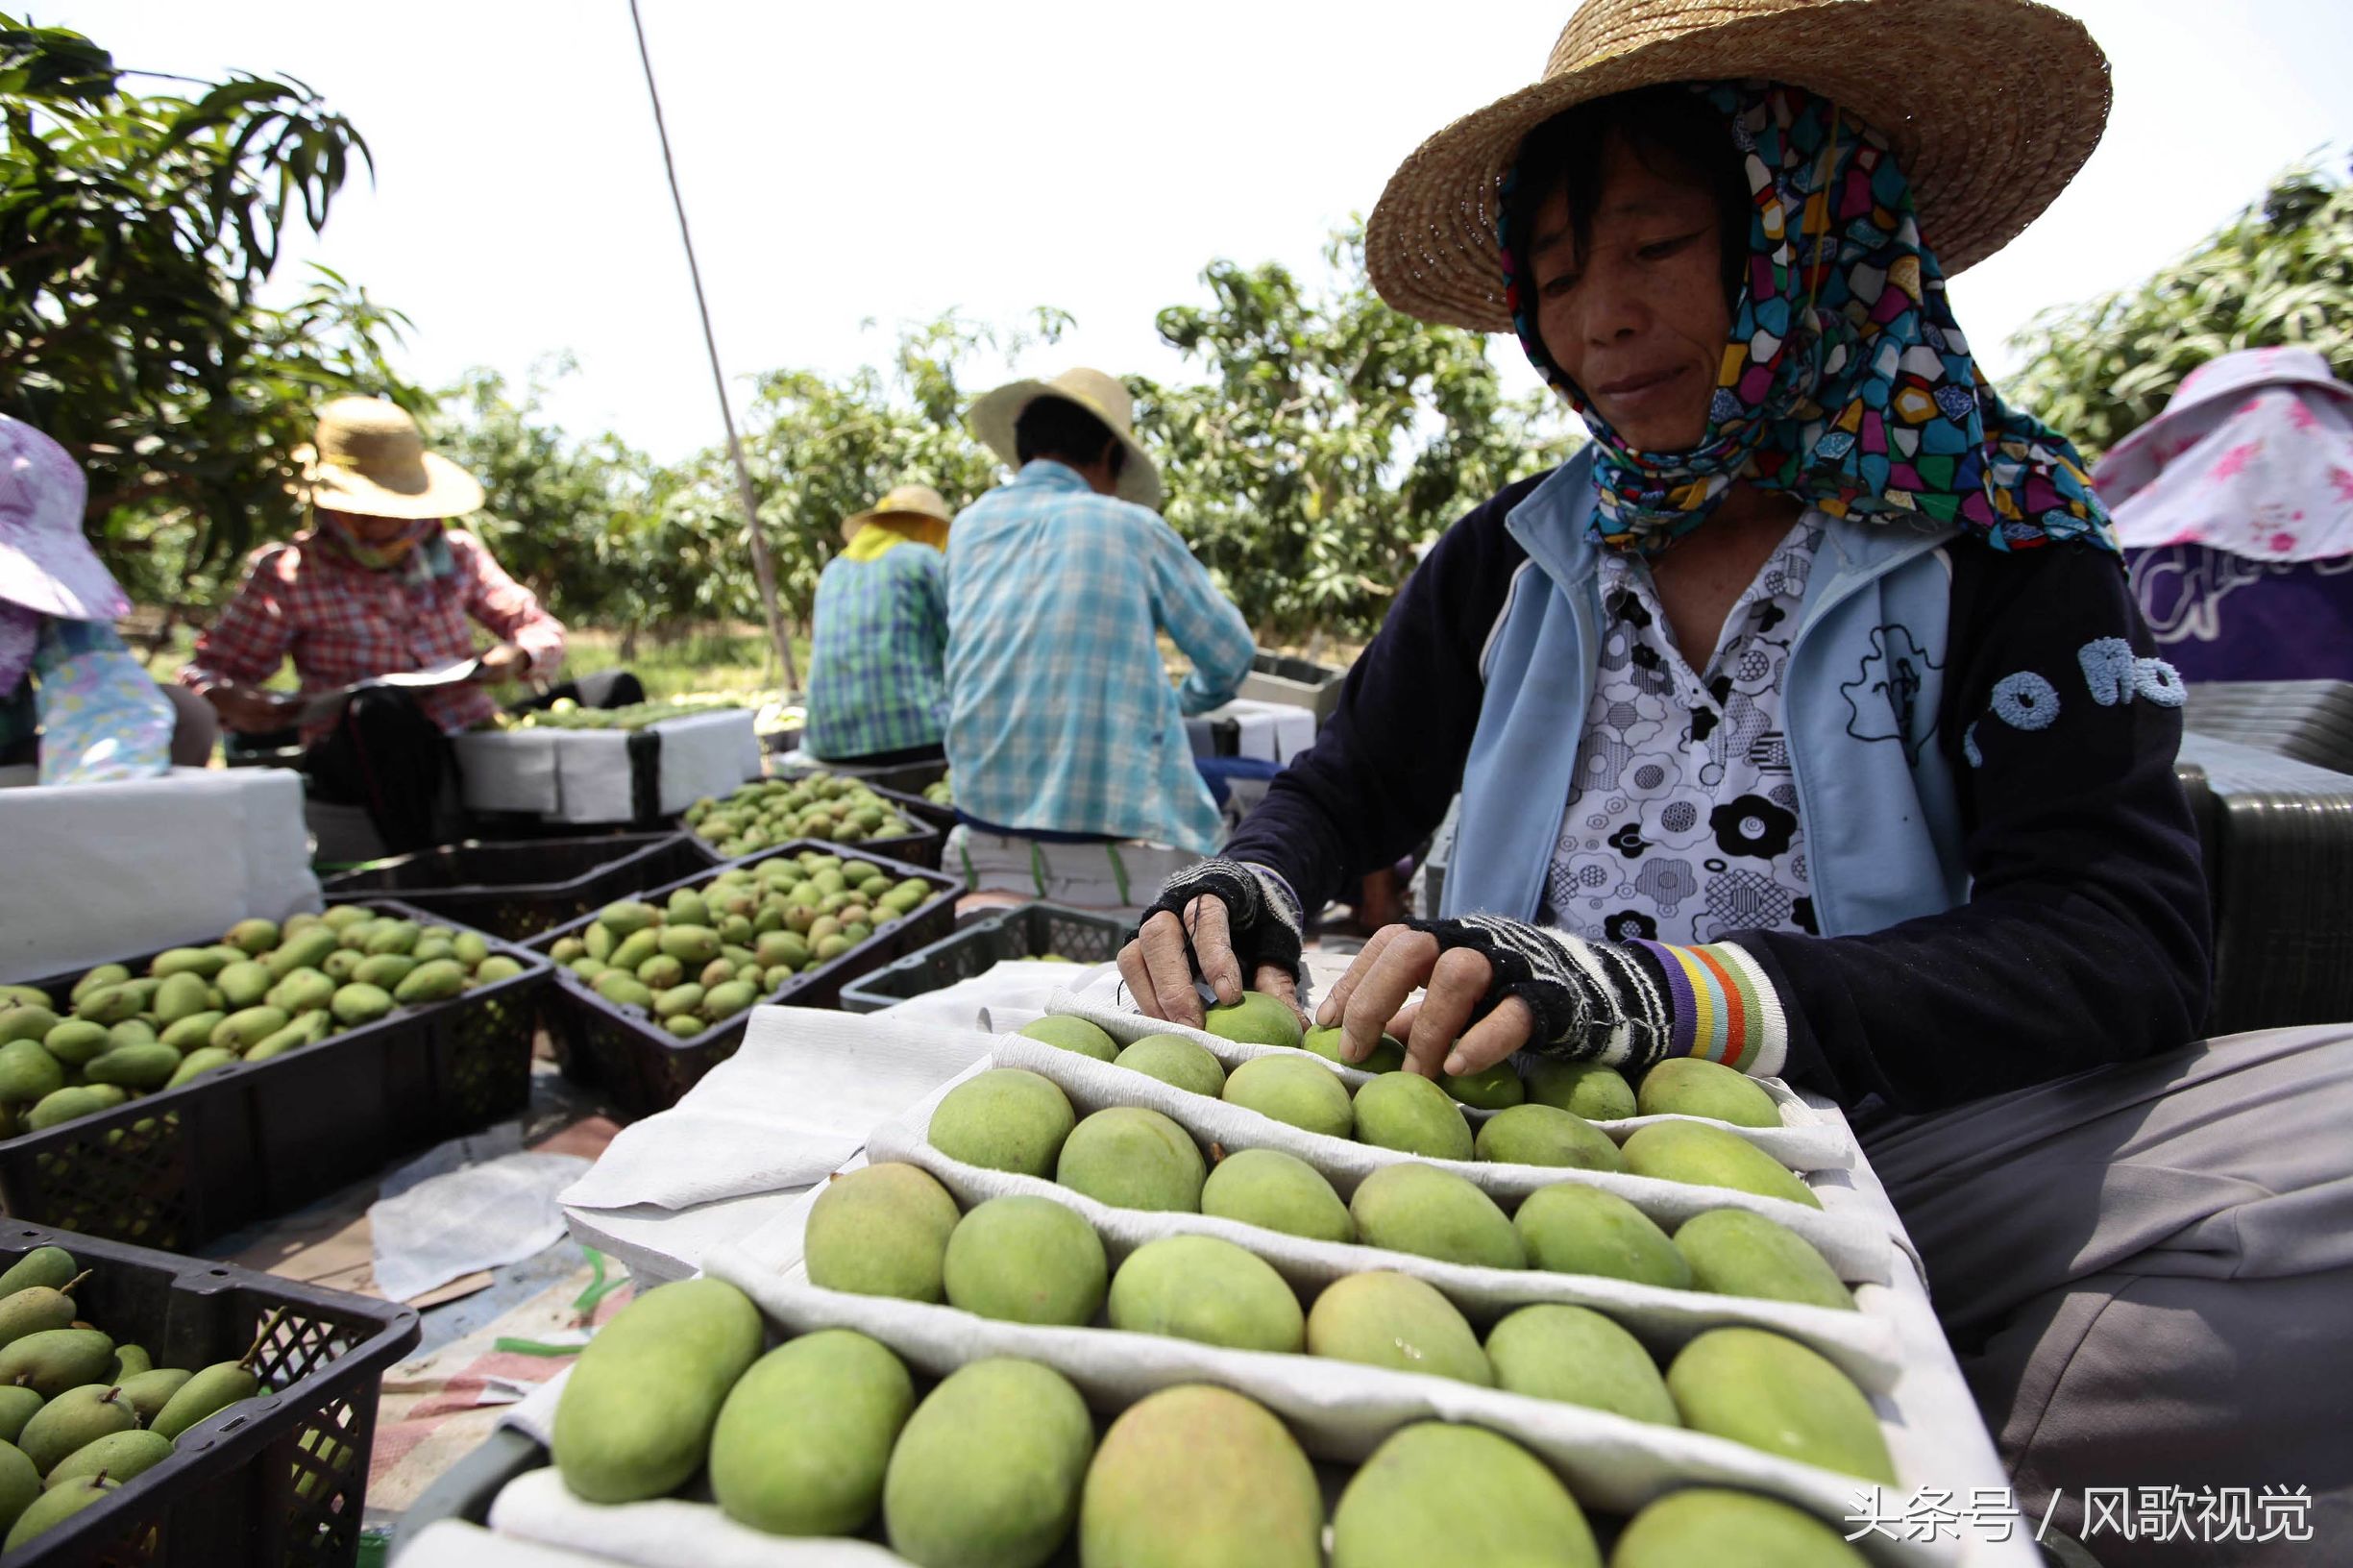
point(645, 1068)
point(898, 777)
point(1294, 683)
point(919, 848)
point(1024, 931)
point(255, 1140)
point(519, 888)
point(281, 1481)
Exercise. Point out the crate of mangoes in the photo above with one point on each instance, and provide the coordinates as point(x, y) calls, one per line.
point(1038, 931)
point(175, 1412)
point(653, 992)
point(176, 1096)
point(833, 807)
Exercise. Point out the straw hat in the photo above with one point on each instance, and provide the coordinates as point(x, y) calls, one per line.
point(368, 460)
point(994, 417)
point(904, 500)
point(1991, 105)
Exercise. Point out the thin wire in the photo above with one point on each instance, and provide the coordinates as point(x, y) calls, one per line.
point(760, 565)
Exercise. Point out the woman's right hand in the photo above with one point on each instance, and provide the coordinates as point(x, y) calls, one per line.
point(251, 710)
point(1159, 973)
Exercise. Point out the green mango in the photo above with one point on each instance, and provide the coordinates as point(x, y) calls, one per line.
point(623, 990)
point(1707, 1524)
point(1204, 1288)
point(470, 948)
point(1024, 1259)
point(16, 1408)
point(1387, 1055)
point(1004, 1119)
point(1074, 1035)
point(197, 1063)
point(725, 1001)
point(1278, 1191)
point(254, 936)
point(73, 1419)
point(1573, 1228)
point(988, 1470)
point(636, 1416)
point(202, 962)
point(635, 948)
point(1129, 1158)
point(1590, 1089)
point(339, 915)
point(685, 1025)
point(76, 1040)
point(384, 969)
point(143, 1068)
point(1684, 1086)
point(1256, 1018)
point(687, 908)
point(20, 1484)
point(26, 1020)
point(661, 972)
point(694, 945)
point(98, 979)
point(208, 1392)
point(393, 937)
point(1293, 1090)
point(1735, 1253)
point(628, 917)
point(1545, 1135)
point(249, 1028)
point(22, 996)
point(1490, 1089)
point(308, 1030)
point(677, 1000)
point(358, 1003)
point(52, 1360)
point(307, 949)
point(1396, 1321)
point(1774, 1394)
point(130, 1360)
point(1576, 1356)
point(34, 1310)
point(193, 1032)
point(131, 1032)
point(305, 990)
point(434, 981)
point(53, 1508)
point(1194, 1476)
point(72, 1104)
point(1435, 1213)
point(246, 982)
point(804, 1439)
point(1409, 1113)
point(1173, 1059)
point(1693, 1152)
point(51, 1266)
point(342, 965)
point(496, 967)
point(1436, 1492)
point(150, 1391)
point(119, 1455)
point(28, 1072)
point(881, 1231)
point(434, 950)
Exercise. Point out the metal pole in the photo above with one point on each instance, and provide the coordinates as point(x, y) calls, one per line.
point(760, 564)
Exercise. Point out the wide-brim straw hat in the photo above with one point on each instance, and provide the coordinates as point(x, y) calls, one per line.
point(369, 459)
point(903, 500)
point(1991, 106)
point(995, 416)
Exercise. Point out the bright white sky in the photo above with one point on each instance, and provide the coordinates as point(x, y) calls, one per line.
point(886, 161)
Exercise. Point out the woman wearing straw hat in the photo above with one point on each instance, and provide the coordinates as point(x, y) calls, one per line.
point(1064, 734)
point(72, 696)
point(877, 688)
point(1803, 722)
point(380, 584)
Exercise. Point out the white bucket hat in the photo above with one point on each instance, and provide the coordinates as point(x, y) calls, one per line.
point(46, 563)
point(995, 416)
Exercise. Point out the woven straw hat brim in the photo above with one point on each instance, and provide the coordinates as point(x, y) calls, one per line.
point(853, 523)
point(1991, 106)
point(436, 488)
point(994, 417)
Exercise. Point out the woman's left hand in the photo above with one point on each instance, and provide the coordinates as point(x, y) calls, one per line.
point(505, 662)
point(1370, 999)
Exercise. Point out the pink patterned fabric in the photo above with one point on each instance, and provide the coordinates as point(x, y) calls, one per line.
point(45, 562)
point(2253, 456)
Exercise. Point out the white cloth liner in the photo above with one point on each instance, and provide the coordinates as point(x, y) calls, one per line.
point(454, 1543)
point(1802, 1143)
point(1855, 1246)
point(96, 872)
point(666, 1532)
point(1340, 1410)
point(469, 1204)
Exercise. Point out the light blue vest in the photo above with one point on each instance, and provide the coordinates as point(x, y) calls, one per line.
point(1865, 684)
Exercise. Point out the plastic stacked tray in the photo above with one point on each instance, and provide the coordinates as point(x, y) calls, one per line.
point(2310, 720)
point(2278, 836)
point(281, 1480)
point(643, 1066)
point(519, 888)
point(921, 848)
point(1024, 931)
point(175, 1169)
point(1299, 683)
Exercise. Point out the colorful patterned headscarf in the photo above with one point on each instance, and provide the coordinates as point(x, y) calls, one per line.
point(1846, 382)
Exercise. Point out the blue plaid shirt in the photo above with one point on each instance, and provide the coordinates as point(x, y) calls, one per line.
point(1061, 715)
point(874, 661)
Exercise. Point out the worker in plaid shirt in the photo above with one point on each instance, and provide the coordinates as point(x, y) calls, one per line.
point(378, 585)
point(877, 682)
point(1063, 724)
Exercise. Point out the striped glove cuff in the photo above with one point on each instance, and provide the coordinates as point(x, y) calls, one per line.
point(1631, 1004)
point(1261, 919)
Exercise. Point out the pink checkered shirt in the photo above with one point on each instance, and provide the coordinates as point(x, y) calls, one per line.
point(342, 622)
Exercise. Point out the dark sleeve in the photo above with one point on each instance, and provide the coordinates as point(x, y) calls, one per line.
point(1388, 759)
point(2084, 940)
